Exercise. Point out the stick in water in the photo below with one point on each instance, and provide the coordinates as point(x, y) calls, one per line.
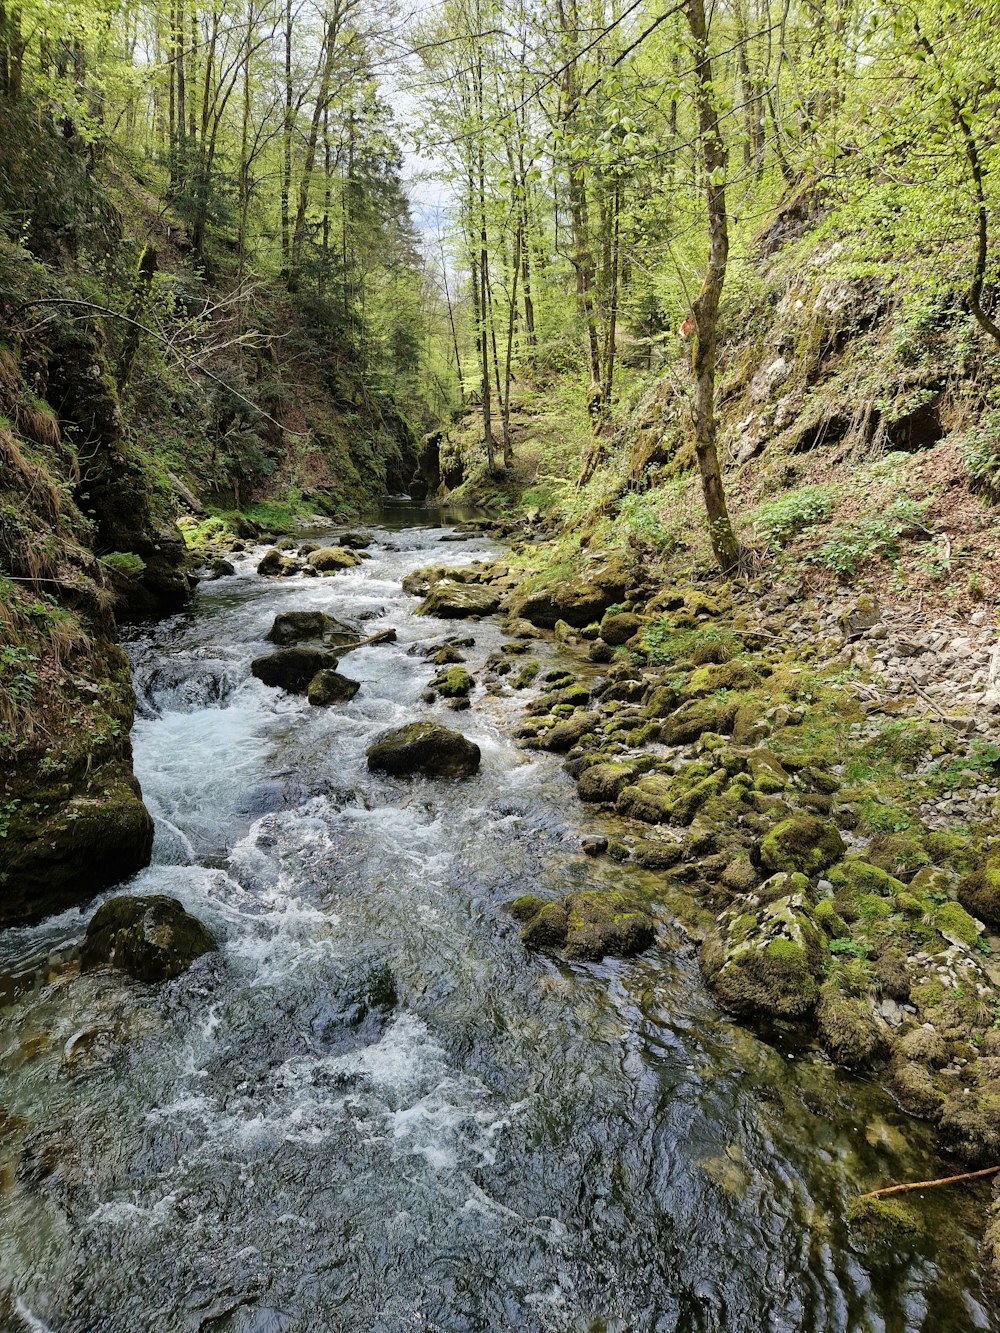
point(930, 1184)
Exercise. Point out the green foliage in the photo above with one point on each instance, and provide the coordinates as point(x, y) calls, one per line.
point(126, 563)
point(872, 536)
point(778, 520)
point(980, 451)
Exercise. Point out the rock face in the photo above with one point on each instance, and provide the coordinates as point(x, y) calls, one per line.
point(292, 627)
point(586, 926)
point(292, 669)
point(456, 601)
point(330, 687)
point(424, 747)
point(152, 938)
point(96, 838)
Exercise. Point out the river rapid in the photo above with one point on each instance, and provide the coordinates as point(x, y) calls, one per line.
point(372, 1109)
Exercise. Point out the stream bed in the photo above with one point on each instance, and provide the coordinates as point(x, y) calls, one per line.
point(372, 1110)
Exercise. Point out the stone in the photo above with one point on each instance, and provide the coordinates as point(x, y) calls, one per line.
point(221, 568)
point(425, 748)
point(862, 615)
point(358, 541)
point(587, 925)
point(619, 628)
point(695, 717)
point(564, 735)
point(330, 559)
point(291, 627)
point(453, 683)
point(330, 687)
point(594, 846)
point(456, 601)
point(150, 938)
point(292, 669)
point(274, 563)
point(803, 844)
point(603, 782)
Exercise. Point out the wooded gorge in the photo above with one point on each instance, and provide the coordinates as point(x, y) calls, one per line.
point(592, 963)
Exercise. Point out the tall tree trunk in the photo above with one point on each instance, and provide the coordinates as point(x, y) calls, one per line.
point(508, 447)
point(286, 147)
point(706, 304)
point(454, 334)
point(614, 259)
point(305, 179)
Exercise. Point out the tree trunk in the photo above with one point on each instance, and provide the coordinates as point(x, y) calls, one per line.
point(322, 99)
point(706, 304)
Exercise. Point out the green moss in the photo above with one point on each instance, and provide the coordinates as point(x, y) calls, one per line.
point(802, 843)
point(834, 925)
point(889, 1222)
point(453, 683)
point(951, 919)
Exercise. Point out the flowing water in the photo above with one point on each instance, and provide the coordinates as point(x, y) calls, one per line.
point(372, 1110)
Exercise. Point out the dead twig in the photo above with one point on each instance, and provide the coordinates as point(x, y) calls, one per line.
point(930, 1184)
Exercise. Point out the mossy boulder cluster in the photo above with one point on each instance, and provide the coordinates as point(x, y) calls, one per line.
point(781, 812)
point(285, 559)
point(586, 926)
point(306, 668)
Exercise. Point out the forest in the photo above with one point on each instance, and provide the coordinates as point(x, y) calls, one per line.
point(499, 665)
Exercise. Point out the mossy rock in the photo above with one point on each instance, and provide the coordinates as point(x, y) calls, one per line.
point(603, 782)
point(619, 628)
point(850, 1031)
point(151, 938)
point(525, 907)
point(914, 1086)
point(654, 854)
point(564, 735)
point(453, 683)
point(450, 600)
point(803, 843)
point(330, 687)
point(955, 924)
point(979, 893)
point(274, 563)
point(546, 929)
point(294, 627)
point(834, 926)
point(659, 702)
point(292, 669)
point(696, 716)
point(332, 559)
point(770, 967)
point(60, 853)
point(734, 675)
point(740, 875)
point(862, 878)
point(900, 854)
point(603, 922)
point(769, 776)
point(662, 799)
point(425, 748)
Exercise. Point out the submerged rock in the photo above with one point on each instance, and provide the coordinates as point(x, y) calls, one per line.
point(292, 669)
point(330, 687)
point(292, 627)
point(455, 601)
point(424, 747)
point(151, 938)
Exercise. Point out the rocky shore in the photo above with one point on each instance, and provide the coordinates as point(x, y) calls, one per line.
point(814, 785)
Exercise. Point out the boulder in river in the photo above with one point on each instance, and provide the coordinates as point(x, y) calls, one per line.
point(330, 559)
point(292, 669)
point(453, 683)
point(275, 562)
point(151, 938)
point(455, 601)
point(424, 747)
point(311, 626)
point(330, 687)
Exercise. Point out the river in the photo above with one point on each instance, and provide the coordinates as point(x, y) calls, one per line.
point(372, 1109)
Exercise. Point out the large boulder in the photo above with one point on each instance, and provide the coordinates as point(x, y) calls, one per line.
point(456, 601)
point(292, 627)
point(979, 893)
point(424, 747)
point(578, 602)
point(452, 683)
point(275, 562)
point(803, 844)
point(151, 938)
point(330, 559)
point(330, 687)
point(58, 853)
point(603, 782)
point(767, 955)
point(662, 798)
point(618, 628)
point(292, 669)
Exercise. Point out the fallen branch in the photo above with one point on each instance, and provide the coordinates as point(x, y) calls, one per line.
point(383, 636)
point(941, 715)
point(930, 1184)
